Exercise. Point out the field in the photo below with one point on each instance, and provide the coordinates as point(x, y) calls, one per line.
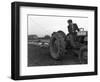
point(40, 56)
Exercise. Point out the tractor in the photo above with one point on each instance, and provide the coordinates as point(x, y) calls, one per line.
point(62, 44)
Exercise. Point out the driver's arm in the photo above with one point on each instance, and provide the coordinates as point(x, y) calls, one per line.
point(77, 27)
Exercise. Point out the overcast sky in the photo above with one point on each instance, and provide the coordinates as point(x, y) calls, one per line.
point(46, 25)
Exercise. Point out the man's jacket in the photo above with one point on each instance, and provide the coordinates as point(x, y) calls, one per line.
point(73, 28)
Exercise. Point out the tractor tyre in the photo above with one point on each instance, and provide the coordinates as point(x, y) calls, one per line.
point(83, 57)
point(57, 45)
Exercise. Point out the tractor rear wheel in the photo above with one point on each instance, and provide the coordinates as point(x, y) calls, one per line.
point(57, 45)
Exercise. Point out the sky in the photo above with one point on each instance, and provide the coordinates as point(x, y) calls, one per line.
point(41, 25)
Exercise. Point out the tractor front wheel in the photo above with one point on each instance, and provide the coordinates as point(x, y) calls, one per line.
point(83, 55)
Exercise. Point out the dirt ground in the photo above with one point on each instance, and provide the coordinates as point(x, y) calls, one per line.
point(40, 56)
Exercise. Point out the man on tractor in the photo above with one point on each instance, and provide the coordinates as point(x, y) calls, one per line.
point(72, 35)
point(72, 27)
point(74, 42)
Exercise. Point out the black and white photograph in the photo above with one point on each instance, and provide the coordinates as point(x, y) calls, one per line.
point(57, 40)
point(53, 40)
